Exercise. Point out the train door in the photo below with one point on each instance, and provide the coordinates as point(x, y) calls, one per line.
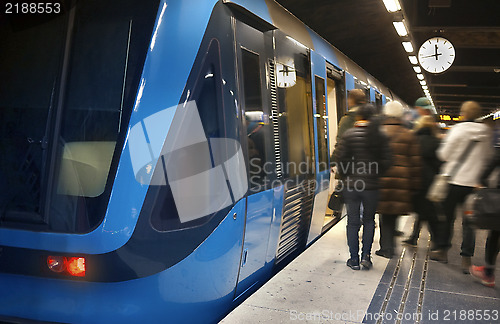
point(296, 142)
point(252, 51)
point(336, 108)
point(320, 125)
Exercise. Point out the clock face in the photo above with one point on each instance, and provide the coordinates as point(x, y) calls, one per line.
point(436, 55)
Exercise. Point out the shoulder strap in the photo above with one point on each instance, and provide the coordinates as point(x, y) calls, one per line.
point(462, 158)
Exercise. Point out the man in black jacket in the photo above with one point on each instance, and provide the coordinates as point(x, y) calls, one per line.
point(363, 155)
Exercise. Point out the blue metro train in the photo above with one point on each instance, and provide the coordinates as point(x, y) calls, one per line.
point(161, 159)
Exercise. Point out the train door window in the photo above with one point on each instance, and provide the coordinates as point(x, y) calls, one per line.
point(333, 117)
point(378, 102)
point(192, 159)
point(293, 80)
point(359, 85)
point(256, 119)
point(321, 124)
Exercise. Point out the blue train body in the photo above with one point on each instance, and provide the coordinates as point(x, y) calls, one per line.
point(144, 264)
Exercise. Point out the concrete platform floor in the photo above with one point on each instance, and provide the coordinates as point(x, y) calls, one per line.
point(317, 287)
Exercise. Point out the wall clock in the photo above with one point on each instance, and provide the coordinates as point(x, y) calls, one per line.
point(436, 55)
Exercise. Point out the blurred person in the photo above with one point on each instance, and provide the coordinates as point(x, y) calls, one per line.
point(355, 99)
point(475, 137)
point(402, 180)
point(363, 155)
point(486, 273)
point(422, 107)
point(427, 133)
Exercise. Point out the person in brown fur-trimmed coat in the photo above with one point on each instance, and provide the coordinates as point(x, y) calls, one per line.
point(401, 181)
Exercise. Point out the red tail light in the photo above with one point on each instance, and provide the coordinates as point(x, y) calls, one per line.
point(56, 263)
point(73, 266)
point(76, 266)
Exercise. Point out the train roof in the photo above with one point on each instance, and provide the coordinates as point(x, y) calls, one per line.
point(276, 15)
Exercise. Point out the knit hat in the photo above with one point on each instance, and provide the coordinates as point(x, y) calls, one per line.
point(424, 103)
point(393, 109)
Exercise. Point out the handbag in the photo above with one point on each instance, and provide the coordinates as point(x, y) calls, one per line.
point(482, 210)
point(441, 184)
point(439, 188)
point(336, 202)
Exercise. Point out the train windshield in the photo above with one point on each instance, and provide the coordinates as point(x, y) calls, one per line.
point(69, 78)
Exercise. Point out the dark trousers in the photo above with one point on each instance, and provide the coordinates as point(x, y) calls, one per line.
point(426, 211)
point(456, 196)
point(387, 230)
point(353, 201)
point(492, 247)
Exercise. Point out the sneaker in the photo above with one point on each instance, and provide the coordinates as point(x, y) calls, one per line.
point(384, 254)
point(480, 274)
point(439, 255)
point(353, 264)
point(410, 242)
point(466, 264)
point(366, 262)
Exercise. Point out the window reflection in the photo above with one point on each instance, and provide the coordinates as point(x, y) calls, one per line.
point(257, 121)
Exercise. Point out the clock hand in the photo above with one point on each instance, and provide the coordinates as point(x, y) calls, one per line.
point(436, 55)
point(432, 55)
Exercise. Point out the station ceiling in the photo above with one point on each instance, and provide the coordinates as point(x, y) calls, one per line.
point(363, 30)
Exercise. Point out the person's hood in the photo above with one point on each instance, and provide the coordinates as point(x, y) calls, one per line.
point(474, 130)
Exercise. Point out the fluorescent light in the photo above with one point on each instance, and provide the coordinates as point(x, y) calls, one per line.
point(417, 69)
point(413, 59)
point(423, 82)
point(420, 76)
point(425, 87)
point(392, 5)
point(408, 46)
point(400, 28)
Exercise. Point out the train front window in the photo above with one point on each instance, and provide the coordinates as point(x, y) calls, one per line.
point(68, 84)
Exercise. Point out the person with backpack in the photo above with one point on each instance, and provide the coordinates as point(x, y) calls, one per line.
point(363, 156)
point(355, 99)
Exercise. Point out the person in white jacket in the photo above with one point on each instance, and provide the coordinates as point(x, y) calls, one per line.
point(475, 137)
